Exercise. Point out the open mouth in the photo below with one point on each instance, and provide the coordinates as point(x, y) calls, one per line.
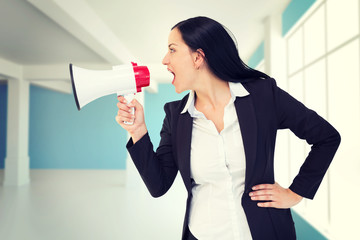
point(173, 74)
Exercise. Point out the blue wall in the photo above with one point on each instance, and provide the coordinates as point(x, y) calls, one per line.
point(61, 137)
point(294, 12)
point(257, 56)
point(3, 114)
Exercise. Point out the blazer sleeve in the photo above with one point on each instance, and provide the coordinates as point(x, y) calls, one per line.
point(157, 169)
point(307, 124)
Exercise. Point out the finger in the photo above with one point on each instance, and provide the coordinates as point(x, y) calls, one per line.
point(125, 116)
point(121, 121)
point(266, 204)
point(263, 198)
point(122, 99)
point(261, 192)
point(263, 186)
point(119, 104)
point(125, 113)
point(132, 103)
point(124, 119)
point(118, 120)
point(124, 108)
point(135, 103)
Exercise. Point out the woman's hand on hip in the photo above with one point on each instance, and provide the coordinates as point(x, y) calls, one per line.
point(138, 129)
point(273, 195)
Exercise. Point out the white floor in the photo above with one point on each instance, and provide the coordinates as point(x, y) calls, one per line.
point(88, 204)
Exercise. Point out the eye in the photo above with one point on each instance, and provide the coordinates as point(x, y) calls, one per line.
point(171, 50)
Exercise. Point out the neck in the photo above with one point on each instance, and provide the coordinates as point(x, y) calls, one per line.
point(212, 92)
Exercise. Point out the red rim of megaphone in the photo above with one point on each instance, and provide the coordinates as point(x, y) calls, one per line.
point(142, 77)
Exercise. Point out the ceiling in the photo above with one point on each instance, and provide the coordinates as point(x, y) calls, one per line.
point(28, 36)
point(33, 33)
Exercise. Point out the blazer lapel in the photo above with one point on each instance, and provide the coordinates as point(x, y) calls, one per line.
point(183, 141)
point(247, 120)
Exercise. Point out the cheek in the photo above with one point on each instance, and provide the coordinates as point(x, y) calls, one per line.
point(184, 60)
point(186, 67)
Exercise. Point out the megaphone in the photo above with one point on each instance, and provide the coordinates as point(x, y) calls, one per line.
point(125, 80)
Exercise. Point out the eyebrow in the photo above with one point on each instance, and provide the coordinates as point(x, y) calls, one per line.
point(172, 44)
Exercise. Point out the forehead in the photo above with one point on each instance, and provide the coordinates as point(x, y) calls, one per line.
point(175, 37)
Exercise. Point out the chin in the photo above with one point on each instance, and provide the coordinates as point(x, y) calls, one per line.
point(180, 90)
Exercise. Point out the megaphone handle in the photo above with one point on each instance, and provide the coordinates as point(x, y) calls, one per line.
point(129, 97)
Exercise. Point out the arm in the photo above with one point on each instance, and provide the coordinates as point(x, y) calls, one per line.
point(158, 170)
point(305, 124)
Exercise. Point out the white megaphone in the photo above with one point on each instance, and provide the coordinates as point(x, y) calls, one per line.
point(125, 80)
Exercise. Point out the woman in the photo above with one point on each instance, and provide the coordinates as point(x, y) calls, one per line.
point(221, 138)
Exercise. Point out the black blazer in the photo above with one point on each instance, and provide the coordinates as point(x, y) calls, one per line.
point(261, 113)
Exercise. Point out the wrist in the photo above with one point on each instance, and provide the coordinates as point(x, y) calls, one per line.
point(138, 133)
point(295, 195)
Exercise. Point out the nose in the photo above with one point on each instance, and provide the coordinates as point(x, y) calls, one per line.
point(165, 60)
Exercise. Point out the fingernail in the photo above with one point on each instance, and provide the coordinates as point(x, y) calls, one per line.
point(253, 188)
point(250, 194)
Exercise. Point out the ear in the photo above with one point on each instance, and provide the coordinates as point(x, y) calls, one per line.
point(199, 58)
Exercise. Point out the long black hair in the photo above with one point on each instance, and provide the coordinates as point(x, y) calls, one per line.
point(220, 50)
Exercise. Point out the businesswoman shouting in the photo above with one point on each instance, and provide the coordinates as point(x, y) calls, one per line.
point(221, 138)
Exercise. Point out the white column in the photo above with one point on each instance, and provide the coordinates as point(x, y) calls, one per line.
point(274, 49)
point(17, 156)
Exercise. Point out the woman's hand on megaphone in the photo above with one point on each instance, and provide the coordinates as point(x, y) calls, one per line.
point(138, 129)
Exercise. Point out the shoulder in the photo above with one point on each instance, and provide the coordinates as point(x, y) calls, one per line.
point(173, 110)
point(258, 84)
point(176, 106)
point(262, 88)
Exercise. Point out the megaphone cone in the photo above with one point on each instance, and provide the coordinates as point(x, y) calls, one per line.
point(89, 85)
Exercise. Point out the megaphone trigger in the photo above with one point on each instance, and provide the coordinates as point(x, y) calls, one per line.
point(129, 98)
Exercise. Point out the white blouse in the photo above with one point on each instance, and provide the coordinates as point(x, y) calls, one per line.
point(218, 171)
